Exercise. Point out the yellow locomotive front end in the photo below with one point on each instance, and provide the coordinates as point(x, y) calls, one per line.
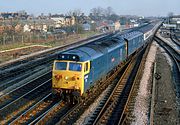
point(67, 77)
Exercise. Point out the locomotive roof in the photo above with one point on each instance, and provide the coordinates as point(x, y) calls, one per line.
point(90, 51)
point(84, 53)
point(98, 48)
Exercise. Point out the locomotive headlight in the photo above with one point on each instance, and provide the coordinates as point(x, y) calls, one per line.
point(66, 77)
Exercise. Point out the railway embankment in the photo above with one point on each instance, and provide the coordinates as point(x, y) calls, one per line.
point(165, 104)
point(158, 107)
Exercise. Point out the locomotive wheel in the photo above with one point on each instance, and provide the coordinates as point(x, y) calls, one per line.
point(77, 99)
point(68, 99)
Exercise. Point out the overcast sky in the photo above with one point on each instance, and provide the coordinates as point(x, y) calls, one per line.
point(120, 7)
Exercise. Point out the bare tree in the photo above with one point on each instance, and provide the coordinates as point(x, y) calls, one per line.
point(77, 12)
point(114, 17)
point(70, 13)
point(170, 14)
point(98, 11)
point(108, 11)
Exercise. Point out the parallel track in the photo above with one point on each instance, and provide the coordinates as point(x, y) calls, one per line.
point(175, 55)
point(128, 111)
point(28, 94)
point(175, 58)
point(54, 114)
point(75, 113)
point(113, 111)
point(174, 38)
point(45, 53)
point(36, 111)
point(20, 91)
point(22, 66)
point(23, 77)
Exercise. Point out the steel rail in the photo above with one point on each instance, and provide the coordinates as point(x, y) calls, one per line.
point(172, 52)
point(38, 119)
point(2, 96)
point(30, 109)
point(134, 88)
point(24, 95)
point(104, 108)
point(68, 119)
point(55, 49)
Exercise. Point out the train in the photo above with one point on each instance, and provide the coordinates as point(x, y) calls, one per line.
point(76, 70)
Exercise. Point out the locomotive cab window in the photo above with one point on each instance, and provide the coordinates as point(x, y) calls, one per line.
point(75, 66)
point(60, 65)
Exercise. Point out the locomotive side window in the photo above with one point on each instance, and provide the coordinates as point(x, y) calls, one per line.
point(121, 54)
point(75, 66)
point(86, 67)
point(60, 65)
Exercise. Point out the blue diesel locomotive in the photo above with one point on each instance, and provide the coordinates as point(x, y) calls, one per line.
point(76, 70)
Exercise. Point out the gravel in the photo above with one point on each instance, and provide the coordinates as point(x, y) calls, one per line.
point(165, 109)
point(142, 100)
point(165, 106)
point(85, 117)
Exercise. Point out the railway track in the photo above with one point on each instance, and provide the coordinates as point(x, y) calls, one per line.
point(20, 100)
point(36, 111)
point(15, 102)
point(128, 112)
point(47, 52)
point(19, 70)
point(175, 58)
point(59, 113)
point(54, 114)
point(114, 111)
point(175, 55)
point(174, 38)
point(22, 78)
point(21, 66)
point(23, 72)
point(74, 114)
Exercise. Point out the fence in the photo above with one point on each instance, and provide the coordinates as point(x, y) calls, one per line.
point(9, 39)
